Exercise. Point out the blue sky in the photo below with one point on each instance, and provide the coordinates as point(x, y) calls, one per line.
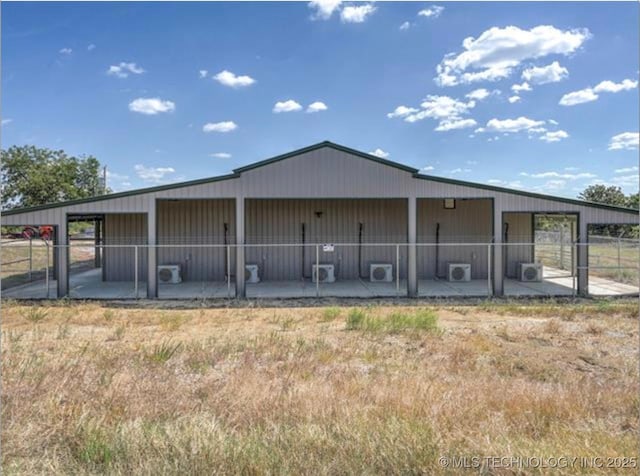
point(162, 92)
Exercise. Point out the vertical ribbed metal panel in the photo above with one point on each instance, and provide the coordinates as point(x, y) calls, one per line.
point(469, 222)
point(280, 221)
point(519, 232)
point(195, 222)
point(119, 262)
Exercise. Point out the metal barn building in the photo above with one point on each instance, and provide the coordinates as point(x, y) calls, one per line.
point(322, 220)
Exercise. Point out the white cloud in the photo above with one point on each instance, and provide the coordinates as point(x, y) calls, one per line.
point(6, 121)
point(324, 8)
point(203, 73)
point(65, 51)
point(552, 73)
point(401, 111)
point(611, 87)
point(589, 94)
point(91, 47)
point(558, 175)
point(405, 26)
point(517, 88)
point(380, 153)
point(626, 170)
point(624, 141)
point(227, 78)
point(504, 183)
point(359, 14)
point(434, 11)
point(427, 168)
point(512, 125)
point(578, 97)
point(287, 106)
point(514, 99)
point(221, 155)
point(626, 180)
point(317, 107)
point(551, 121)
point(478, 94)
point(441, 107)
point(497, 51)
point(151, 106)
point(153, 174)
point(448, 125)
point(459, 171)
point(555, 136)
point(224, 126)
point(123, 70)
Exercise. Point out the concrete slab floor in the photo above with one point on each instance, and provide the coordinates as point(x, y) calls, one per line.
point(307, 288)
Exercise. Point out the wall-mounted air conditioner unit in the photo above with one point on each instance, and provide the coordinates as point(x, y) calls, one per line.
point(530, 272)
point(251, 274)
point(460, 272)
point(324, 273)
point(169, 274)
point(381, 273)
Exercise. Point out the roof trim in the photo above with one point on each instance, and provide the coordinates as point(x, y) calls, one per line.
point(128, 193)
point(237, 172)
point(331, 145)
point(572, 201)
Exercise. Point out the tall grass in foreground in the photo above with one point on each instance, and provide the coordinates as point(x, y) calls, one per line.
point(418, 320)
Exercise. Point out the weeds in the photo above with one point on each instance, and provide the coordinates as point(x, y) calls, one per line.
point(35, 314)
point(330, 314)
point(419, 320)
point(161, 353)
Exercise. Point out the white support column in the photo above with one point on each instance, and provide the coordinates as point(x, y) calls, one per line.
point(497, 266)
point(62, 259)
point(412, 255)
point(583, 257)
point(240, 284)
point(152, 251)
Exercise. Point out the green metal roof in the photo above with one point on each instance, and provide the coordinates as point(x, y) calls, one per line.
point(237, 172)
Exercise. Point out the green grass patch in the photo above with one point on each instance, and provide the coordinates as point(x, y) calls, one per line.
point(418, 320)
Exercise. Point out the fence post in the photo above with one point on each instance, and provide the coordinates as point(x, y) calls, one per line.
point(562, 247)
point(489, 289)
point(135, 272)
point(46, 276)
point(619, 244)
point(228, 271)
point(30, 259)
point(317, 271)
point(573, 273)
point(397, 270)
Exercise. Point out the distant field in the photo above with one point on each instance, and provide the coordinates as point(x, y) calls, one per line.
point(382, 390)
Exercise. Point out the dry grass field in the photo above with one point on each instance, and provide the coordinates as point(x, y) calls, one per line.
point(94, 389)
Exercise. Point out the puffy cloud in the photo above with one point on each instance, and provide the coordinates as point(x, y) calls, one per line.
point(153, 174)
point(578, 97)
point(324, 8)
point(514, 99)
point(221, 155)
point(227, 78)
point(151, 106)
point(626, 180)
point(401, 111)
point(589, 94)
point(65, 51)
point(611, 87)
point(552, 73)
point(512, 125)
point(356, 14)
point(448, 125)
point(427, 168)
point(286, 106)
point(316, 107)
point(380, 153)
point(123, 70)
point(203, 73)
point(517, 88)
point(497, 51)
point(626, 170)
point(555, 136)
point(434, 11)
point(224, 126)
point(478, 94)
point(624, 141)
point(405, 26)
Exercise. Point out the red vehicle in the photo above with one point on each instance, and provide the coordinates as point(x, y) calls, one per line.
point(44, 232)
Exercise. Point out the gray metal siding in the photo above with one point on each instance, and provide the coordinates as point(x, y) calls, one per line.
point(469, 222)
point(196, 222)
point(520, 225)
point(119, 262)
point(280, 221)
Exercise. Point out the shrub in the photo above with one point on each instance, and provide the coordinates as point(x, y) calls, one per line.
point(330, 313)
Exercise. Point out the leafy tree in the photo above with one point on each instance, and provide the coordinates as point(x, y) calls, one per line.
point(633, 201)
point(36, 176)
point(610, 195)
